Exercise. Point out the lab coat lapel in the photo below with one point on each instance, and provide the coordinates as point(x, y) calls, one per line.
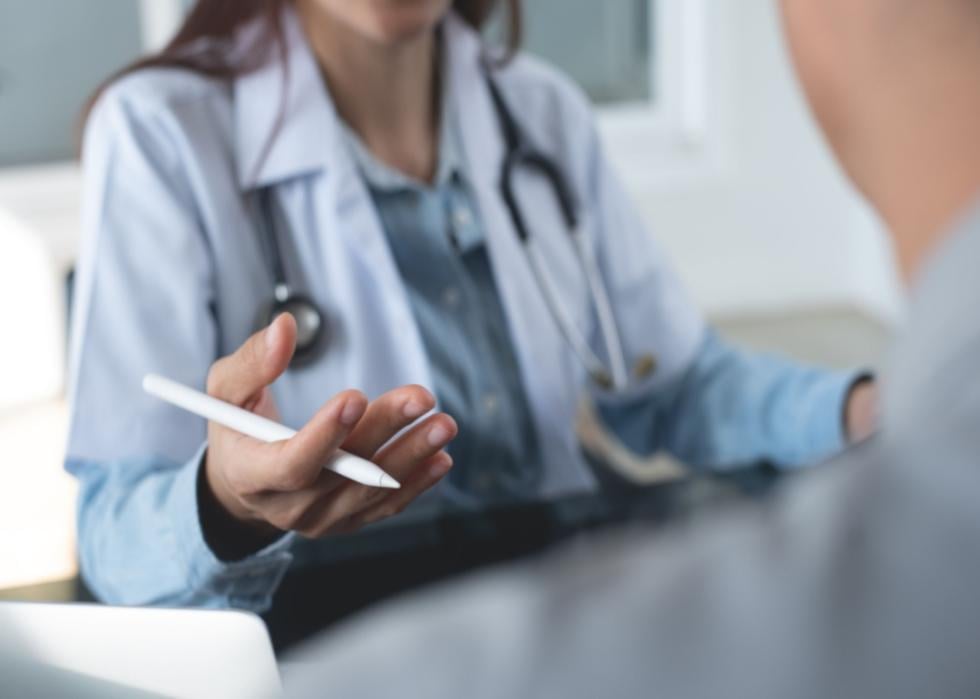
point(284, 120)
point(377, 290)
point(549, 375)
point(309, 144)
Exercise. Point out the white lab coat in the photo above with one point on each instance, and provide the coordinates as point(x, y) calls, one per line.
point(172, 274)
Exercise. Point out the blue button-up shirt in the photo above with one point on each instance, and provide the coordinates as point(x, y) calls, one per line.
point(437, 243)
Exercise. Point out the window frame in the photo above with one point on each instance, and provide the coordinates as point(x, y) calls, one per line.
point(666, 136)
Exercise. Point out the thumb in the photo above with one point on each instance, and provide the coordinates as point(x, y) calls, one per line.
point(257, 363)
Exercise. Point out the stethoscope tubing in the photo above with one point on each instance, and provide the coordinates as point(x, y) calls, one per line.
point(310, 319)
point(522, 154)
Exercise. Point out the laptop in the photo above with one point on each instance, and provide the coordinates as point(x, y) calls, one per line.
point(88, 650)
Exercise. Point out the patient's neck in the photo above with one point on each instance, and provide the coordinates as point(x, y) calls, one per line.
point(923, 161)
point(387, 93)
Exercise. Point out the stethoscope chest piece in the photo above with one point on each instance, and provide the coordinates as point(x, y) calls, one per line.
point(311, 331)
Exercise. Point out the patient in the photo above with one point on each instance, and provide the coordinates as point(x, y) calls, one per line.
point(862, 580)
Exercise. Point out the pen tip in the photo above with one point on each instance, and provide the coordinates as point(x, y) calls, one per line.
point(387, 481)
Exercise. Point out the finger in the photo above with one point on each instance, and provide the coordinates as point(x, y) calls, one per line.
point(338, 513)
point(262, 358)
point(401, 459)
point(431, 472)
point(297, 463)
point(386, 417)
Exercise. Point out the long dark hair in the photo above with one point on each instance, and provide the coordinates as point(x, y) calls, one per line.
point(217, 21)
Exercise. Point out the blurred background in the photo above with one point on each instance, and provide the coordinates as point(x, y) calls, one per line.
point(698, 109)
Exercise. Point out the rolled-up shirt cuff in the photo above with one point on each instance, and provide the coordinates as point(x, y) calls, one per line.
point(828, 405)
point(245, 584)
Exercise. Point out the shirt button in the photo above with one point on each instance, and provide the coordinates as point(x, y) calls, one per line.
point(645, 366)
point(451, 297)
point(462, 217)
point(491, 403)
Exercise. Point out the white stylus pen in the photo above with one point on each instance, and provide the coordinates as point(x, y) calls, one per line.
point(233, 417)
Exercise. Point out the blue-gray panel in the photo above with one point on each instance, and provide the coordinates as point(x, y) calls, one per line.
point(53, 53)
point(603, 44)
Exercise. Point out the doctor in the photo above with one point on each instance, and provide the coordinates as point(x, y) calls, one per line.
point(427, 221)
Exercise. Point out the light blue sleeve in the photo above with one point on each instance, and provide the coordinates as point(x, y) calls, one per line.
point(736, 408)
point(141, 542)
point(143, 301)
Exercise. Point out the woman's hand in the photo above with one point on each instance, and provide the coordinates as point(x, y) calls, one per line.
point(251, 492)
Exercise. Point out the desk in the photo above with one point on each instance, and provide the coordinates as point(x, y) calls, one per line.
point(66, 590)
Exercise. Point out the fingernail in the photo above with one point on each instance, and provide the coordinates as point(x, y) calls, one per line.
point(413, 409)
point(272, 335)
point(439, 435)
point(351, 412)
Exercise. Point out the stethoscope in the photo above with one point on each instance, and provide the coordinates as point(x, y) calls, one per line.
point(311, 340)
point(310, 320)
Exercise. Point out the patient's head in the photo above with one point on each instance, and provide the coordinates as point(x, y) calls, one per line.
point(895, 84)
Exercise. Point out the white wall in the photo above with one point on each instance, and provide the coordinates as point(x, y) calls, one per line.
point(39, 213)
point(754, 210)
